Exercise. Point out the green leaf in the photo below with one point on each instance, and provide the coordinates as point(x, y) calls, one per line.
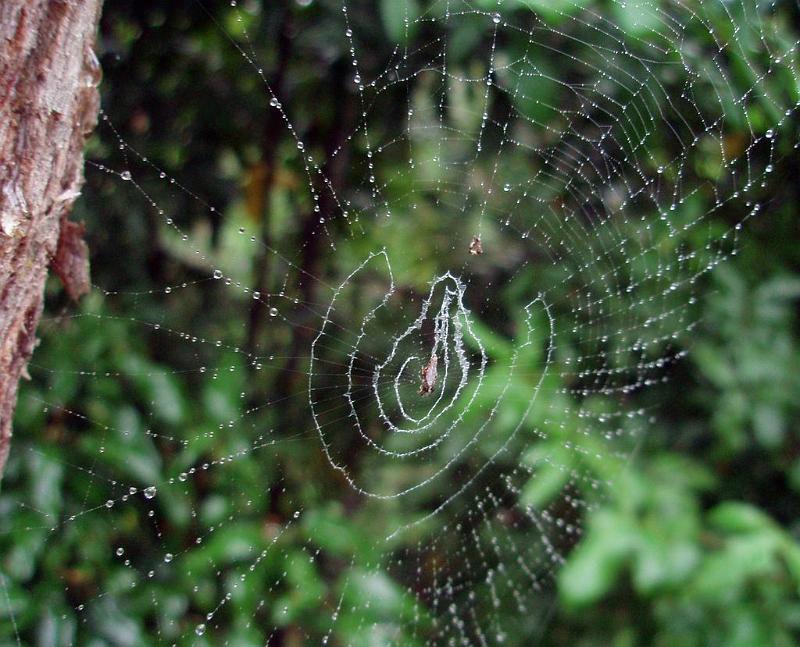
point(551, 474)
point(48, 483)
point(554, 11)
point(495, 345)
point(331, 531)
point(723, 576)
point(597, 562)
point(768, 425)
point(55, 628)
point(222, 391)
point(160, 388)
point(638, 17)
point(737, 517)
point(663, 562)
point(388, 600)
point(133, 452)
point(399, 18)
point(534, 91)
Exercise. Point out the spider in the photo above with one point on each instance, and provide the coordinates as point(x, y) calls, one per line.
point(428, 375)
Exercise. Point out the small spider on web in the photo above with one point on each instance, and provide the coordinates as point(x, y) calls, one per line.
point(428, 375)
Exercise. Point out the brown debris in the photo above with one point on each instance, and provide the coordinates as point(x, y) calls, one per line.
point(476, 247)
point(428, 375)
point(71, 261)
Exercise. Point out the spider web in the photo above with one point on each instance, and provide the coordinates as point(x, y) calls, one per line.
point(504, 269)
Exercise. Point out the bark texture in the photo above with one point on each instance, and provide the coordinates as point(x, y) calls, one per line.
point(48, 107)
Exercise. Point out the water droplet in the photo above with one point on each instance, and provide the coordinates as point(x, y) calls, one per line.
point(125, 175)
point(150, 492)
point(217, 274)
point(200, 629)
point(120, 551)
point(168, 558)
point(273, 312)
point(496, 18)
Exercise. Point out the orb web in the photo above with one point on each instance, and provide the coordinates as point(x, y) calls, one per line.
point(478, 285)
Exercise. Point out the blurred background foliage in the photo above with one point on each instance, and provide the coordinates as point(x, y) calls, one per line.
point(696, 543)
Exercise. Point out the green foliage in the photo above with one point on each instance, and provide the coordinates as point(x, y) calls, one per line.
point(687, 550)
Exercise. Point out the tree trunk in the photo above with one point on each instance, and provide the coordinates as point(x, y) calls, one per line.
point(48, 107)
